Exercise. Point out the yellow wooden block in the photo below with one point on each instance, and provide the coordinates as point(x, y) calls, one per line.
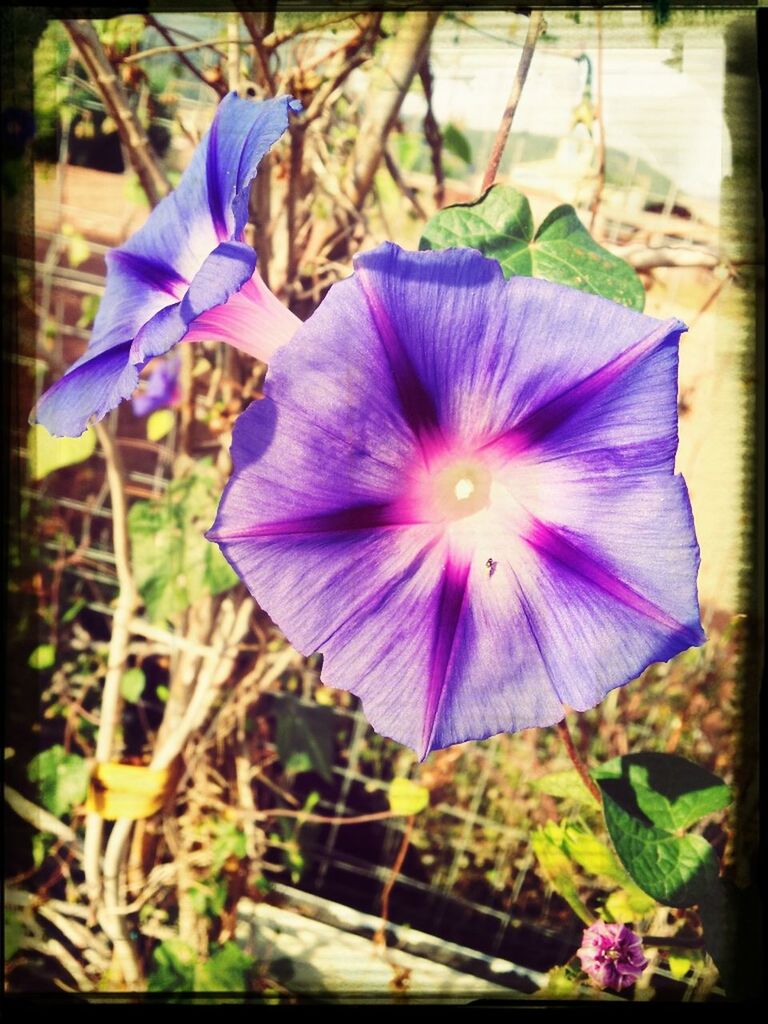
point(126, 791)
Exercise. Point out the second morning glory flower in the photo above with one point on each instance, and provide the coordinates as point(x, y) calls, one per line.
point(612, 955)
point(461, 491)
point(185, 274)
point(162, 389)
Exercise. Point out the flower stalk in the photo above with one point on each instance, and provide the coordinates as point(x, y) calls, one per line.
point(115, 927)
point(535, 25)
point(578, 764)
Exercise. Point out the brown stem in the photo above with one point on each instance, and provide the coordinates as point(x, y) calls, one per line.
point(581, 768)
point(177, 48)
point(396, 868)
point(255, 26)
point(433, 134)
point(294, 189)
point(600, 125)
point(535, 24)
point(405, 59)
point(321, 819)
point(132, 135)
point(410, 193)
point(259, 211)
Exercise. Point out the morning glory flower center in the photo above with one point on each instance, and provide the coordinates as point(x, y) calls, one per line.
point(461, 489)
point(464, 488)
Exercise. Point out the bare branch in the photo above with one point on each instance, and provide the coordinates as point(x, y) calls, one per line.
point(643, 257)
point(253, 26)
point(406, 58)
point(294, 185)
point(54, 948)
point(134, 138)
point(233, 53)
point(110, 700)
point(600, 123)
point(356, 51)
point(410, 194)
point(432, 133)
point(535, 25)
point(178, 48)
point(275, 39)
point(37, 817)
point(216, 667)
point(217, 86)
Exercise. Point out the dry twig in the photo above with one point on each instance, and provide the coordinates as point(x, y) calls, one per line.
point(39, 818)
point(535, 25)
point(134, 138)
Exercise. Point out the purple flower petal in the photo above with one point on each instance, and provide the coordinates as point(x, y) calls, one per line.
point(223, 273)
point(161, 390)
point(252, 320)
point(427, 504)
point(95, 384)
point(485, 353)
point(186, 259)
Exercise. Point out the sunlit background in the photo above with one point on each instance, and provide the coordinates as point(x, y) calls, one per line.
point(470, 911)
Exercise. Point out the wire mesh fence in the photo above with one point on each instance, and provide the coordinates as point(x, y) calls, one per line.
point(470, 875)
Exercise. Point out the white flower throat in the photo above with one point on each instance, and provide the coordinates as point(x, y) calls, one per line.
point(462, 488)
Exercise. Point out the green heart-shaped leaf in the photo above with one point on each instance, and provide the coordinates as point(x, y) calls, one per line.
point(672, 792)
point(648, 799)
point(500, 226)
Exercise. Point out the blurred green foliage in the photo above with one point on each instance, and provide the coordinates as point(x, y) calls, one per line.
point(173, 563)
point(61, 778)
point(177, 967)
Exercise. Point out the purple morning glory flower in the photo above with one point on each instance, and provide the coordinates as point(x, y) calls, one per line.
point(612, 955)
point(162, 389)
point(173, 277)
point(461, 490)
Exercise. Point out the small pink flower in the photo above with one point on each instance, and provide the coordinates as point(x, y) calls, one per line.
point(612, 955)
